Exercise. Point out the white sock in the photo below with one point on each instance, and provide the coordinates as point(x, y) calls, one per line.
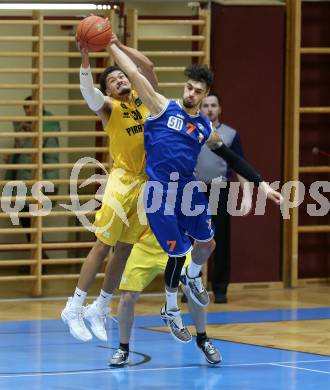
point(171, 300)
point(193, 269)
point(104, 298)
point(79, 297)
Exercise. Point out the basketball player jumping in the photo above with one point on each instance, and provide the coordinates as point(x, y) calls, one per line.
point(120, 110)
point(174, 134)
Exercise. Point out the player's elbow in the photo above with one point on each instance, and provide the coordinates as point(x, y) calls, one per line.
point(93, 97)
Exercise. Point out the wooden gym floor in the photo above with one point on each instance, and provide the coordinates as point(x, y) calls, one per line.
point(270, 339)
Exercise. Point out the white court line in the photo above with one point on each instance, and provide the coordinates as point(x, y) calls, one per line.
point(289, 362)
point(114, 319)
point(111, 371)
point(299, 368)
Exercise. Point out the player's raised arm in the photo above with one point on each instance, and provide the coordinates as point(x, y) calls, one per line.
point(153, 100)
point(94, 98)
point(146, 66)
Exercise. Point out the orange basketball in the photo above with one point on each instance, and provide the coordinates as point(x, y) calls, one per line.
point(94, 33)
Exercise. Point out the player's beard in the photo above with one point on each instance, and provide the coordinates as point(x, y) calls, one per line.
point(188, 103)
point(125, 91)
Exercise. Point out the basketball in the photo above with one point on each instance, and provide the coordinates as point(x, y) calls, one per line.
point(94, 33)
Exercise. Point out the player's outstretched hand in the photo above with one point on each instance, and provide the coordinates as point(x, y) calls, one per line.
point(246, 205)
point(113, 41)
point(271, 194)
point(84, 54)
point(83, 49)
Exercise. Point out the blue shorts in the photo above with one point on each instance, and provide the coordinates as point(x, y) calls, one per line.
point(178, 216)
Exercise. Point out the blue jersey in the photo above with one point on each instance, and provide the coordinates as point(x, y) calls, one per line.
point(173, 140)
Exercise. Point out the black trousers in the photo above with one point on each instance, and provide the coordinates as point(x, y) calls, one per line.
point(221, 268)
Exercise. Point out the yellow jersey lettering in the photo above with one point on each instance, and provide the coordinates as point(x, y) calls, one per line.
point(134, 129)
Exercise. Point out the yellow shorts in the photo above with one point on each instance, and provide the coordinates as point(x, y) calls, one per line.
point(118, 219)
point(146, 261)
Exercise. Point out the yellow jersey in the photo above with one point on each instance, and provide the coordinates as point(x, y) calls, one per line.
point(126, 131)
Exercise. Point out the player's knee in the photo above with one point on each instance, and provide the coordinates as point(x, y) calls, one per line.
point(101, 249)
point(128, 298)
point(207, 247)
point(123, 250)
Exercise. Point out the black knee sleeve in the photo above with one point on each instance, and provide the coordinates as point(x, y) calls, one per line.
point(173, 271)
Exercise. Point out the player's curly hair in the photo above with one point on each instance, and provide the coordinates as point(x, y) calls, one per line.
point(105, 74)
point(199, 72)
